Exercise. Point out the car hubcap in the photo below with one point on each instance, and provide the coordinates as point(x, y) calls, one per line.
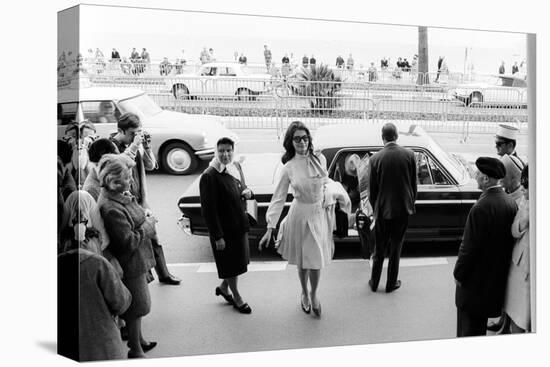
point(178, 160)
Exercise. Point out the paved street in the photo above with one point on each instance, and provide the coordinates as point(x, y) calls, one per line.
point(189, 319)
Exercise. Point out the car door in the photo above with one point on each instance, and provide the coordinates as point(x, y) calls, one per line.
point(227, 81)
point(209, 80)
point(438, 201)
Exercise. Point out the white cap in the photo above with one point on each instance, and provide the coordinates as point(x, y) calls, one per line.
point(507, 131)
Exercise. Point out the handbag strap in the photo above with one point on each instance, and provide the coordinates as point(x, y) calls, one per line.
point(238, 165)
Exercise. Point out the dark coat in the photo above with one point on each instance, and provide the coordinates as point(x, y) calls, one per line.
point(484, 255)
point(392, 182)
point(129, 235)
point(222, 206)
point(90, 293)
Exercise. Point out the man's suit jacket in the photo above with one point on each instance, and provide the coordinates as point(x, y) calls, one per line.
point(393, 182)
point(484, 256)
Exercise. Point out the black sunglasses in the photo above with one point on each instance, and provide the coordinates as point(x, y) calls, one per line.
point(303, 138)
point(499, 143)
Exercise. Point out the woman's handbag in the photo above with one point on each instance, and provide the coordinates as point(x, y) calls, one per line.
point(251, 204)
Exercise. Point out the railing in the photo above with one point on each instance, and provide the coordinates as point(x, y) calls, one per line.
point(272, 102)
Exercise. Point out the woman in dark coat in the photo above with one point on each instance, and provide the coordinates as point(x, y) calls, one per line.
point(130, 232)
point(223, 198)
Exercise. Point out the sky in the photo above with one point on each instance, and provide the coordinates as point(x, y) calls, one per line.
point(166, 33)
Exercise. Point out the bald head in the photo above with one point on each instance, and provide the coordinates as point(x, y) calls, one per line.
point(389, 132)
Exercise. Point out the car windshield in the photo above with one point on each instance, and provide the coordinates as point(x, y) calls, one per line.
point(503, 82)
point(142, 105)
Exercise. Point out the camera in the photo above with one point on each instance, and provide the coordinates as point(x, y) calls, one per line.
point(146, 138)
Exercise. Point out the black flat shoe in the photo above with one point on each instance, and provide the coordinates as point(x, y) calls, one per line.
point(147, 347)
point(394, 287)
point(304, 308)
point(227, 297)
point(170, 280)
point(244, 308)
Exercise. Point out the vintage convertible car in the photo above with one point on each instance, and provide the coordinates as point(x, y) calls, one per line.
point(221, 79)
point(446, 187)
point(179, 140)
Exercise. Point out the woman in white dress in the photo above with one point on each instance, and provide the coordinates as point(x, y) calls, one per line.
point(305, 237)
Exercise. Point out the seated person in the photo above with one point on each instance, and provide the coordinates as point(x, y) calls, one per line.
point(106, 114)
point(347, 176)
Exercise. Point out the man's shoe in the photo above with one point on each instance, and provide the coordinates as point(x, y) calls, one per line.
point(171, 280)
point(372, 288)
point(394, 287)
point(494, 326)
point(147, 347)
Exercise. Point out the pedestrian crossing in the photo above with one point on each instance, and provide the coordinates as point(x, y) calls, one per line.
point(263, 266)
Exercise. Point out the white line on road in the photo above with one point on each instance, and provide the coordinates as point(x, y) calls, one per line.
point(210, 267)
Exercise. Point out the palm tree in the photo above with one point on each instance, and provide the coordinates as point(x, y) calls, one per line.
point(321, 83)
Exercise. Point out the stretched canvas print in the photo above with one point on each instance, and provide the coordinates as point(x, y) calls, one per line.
point(240, 183)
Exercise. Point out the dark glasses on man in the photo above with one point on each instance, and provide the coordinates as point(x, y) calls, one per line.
point(303, 138)
point(499, 143)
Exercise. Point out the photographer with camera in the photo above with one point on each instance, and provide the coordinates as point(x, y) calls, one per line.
point(132, 140)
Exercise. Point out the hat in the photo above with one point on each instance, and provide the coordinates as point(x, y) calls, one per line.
point(512, 164)
point(492, 167)
point(507, 132)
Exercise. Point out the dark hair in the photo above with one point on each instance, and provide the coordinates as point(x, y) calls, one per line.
point(525, 177)
point(290, 152)
point(389, 132)
point(507, 141)
point(64, 151)
point(101, 147)
point(128, 120)
point(225, 140)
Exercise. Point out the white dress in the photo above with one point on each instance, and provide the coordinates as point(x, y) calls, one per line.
point(305, 239)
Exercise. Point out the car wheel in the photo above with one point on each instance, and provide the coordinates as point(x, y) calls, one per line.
point(244, 94)
point(180, 91)
point(178, 159)
point(475, 97)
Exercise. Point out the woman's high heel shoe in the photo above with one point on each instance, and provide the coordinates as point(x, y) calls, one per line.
point(317, 311)
point(304, 308)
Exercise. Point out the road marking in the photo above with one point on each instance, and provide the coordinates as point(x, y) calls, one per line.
point(210, 267)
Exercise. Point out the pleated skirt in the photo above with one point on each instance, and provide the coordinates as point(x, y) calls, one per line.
point(305, 236)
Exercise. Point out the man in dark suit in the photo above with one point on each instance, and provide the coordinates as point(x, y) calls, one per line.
point(392, 195)
point(481, 269)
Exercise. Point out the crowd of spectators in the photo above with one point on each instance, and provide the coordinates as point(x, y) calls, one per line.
point(107, 240)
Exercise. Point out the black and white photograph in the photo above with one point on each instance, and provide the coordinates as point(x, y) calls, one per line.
point(252, 184)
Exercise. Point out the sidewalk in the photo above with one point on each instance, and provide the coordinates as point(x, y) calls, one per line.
point(190, 320)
